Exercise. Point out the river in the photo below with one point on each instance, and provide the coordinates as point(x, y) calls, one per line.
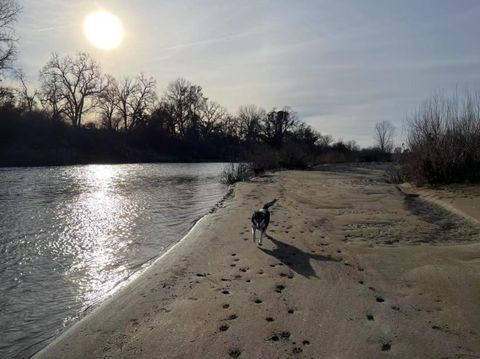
point(70, 236)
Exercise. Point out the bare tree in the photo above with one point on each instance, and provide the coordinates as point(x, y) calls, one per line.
point(26, 99)
point(51, 97)
point(230, 126)
point(324, 141)
point(144, 101)
point(78, 82)
point(9, 10)
point(212, 115)
point(384, 132)
point(443, 139)
point(108, 105)
point(184, 101)
point(7, 97)
point(250, 118)
point(135, 100)
point(277, 124)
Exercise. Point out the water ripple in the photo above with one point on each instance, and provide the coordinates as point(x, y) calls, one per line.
point(68, 235)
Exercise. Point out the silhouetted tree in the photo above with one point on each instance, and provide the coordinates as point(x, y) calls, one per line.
point(384, 132)
point(212, 116)
point(184, 102)
point(26, 99)
point(306, 134)
point(72, 85)
point(9, 10)
point(230, 127)
point(51, 96)
point(250, 119)
point(108, 101)
point(136, 99)
point(7, 98)
point(276, 125)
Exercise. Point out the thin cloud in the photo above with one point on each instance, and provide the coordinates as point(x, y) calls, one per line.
point(209, 41)
point(53, 28)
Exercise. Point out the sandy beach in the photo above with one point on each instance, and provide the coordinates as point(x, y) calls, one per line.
point(355, 268)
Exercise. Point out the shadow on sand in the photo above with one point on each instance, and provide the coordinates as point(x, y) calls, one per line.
point(296, 259)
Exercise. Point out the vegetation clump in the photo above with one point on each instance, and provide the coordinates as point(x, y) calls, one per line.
point(236, 172)
point(443, 141)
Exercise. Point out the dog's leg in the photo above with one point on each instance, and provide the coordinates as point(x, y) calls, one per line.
point(261, 238)
point(253, 234)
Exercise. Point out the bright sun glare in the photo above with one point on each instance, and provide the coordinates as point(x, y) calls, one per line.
point(103, 30)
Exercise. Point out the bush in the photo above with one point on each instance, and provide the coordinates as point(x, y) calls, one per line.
point(236, 172)
point(394, 174)
point(333, 157)
point(263, 158)
point(443, 140)
point(374, 154)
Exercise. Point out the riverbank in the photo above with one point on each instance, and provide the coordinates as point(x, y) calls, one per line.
point(354, 269)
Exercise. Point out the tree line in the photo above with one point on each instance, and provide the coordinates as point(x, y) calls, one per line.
point(77, 110)
point(78, 114)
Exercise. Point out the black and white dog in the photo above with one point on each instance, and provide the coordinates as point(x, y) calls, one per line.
point(260, 221)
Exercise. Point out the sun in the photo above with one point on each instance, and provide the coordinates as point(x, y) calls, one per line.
point(103, 30)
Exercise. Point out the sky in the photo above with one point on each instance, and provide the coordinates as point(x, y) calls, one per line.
point(342, 65)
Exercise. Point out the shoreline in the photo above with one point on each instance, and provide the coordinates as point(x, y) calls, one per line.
point(344, 274)
point(123, 285)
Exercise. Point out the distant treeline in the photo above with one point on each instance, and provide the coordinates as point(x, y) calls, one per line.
point(129, 122)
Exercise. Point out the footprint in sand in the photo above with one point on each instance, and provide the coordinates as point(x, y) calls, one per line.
point(226, 292)
point(243, 269)
point(269, 319)
point(370, 317)
point(291, 311)
point(232, 317)
point(386, 347)
point(277, 336)
point(226, 306)
point(234, 353)
point(379, 299)
point(279, 288)
point(223, 327)
point(258, 301)
point(297, 350)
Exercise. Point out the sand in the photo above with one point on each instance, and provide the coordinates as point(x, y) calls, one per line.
point(355, 268)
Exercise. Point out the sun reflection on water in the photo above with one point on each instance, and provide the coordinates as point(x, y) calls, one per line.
point(69, 235)
point(99, 221)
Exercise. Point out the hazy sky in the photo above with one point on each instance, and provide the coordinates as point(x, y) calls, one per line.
point(341, 65)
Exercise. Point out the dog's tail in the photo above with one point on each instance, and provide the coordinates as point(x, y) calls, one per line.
point(269, 204)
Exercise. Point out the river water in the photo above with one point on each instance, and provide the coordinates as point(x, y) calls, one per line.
point(69, 236)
